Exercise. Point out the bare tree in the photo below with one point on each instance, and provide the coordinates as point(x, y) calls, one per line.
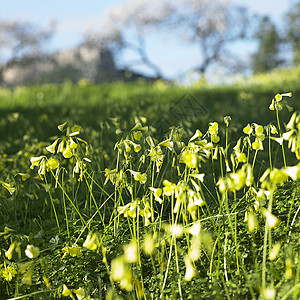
point(125, 27)
point(211, 25)
point(22, 38)
point(22, 42)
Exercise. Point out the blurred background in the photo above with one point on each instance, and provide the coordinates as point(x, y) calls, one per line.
point(176, 40)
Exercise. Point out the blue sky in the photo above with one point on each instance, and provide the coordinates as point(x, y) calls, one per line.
point(74, 17)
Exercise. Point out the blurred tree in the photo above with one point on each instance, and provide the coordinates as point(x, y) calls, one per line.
point(22, 41)
point(124, 27)
point(293, 30)
point(267, 56)
point(19, 39)
point(211, 25)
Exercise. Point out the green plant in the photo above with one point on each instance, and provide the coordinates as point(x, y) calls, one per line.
point(149, 217)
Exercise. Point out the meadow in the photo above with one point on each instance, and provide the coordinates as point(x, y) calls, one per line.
point(151, 191)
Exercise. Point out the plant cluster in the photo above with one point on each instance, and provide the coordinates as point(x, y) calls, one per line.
point(183, 217)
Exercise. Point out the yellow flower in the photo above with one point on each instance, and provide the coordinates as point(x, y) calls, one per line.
point(169, 188)
point(289, 94)
point(278, 176)
point(190, 159)
point(27, 277)
point(239, 178)
point(51, 148)
point(215, 138)
point(195, 248)
point(73, 145)
point(268, 293)
point(42, 168)
point(194, 201)
point(67, 153)
point(290, 124)
point(138, 176)
point(175, 230)
point(137, 135)
point(271, 220)
point(8, 186)
point(80, 293)
point(272, 105)
point(120, 272)
point(252, 222)
point(61, 147)
point(74, 251)
point(274, 251)
point(149, 244)
point(35, 161)
point(10, 250)
point(52, 163)
point(190, 272)
point(127, 146)
point(257, 145)
point(131, 212)
point(248, 129)
point(288, 268)
point(139, 126)
point(8, 273)
point(32, 252)
point(197, 134)
point(278, 97)
point(213, 128)
point(62, 126)
point(293, 172)
point(91, 241)
point(75, 130)
point(273, 129)
point(259, 130)
point(136, 147)
point(195, 229)
point(123, 209)
point(76, 169)
point(131, 252)
point(279, 140)
point(200, 176)
point(276, 101)
point(241, 157)
point(157, 193)
point(66, 291)
point(126, 281)
point(222, 185)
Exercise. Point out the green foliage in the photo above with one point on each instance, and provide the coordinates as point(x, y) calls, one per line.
point(267, 56)
point(293, 26)
point(114, 209)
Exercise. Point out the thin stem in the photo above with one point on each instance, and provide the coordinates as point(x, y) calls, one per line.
point(264, 262)
point(270, 152)
point(53, 206)
point(254, 159)
point(115, 202)
point(280, 135)
point(65, 207)
point(167, 269)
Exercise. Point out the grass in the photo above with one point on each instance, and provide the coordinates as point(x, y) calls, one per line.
point(134, 208)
